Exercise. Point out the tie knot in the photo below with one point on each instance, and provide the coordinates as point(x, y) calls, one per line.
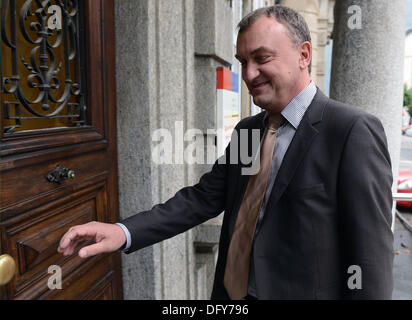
point(275, 121)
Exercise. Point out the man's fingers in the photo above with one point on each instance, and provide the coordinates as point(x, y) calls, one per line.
point(71, 247)
point(75, 235)
point(107, 237)
point(92, 250)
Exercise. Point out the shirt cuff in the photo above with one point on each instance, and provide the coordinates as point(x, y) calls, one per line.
point(126, 246)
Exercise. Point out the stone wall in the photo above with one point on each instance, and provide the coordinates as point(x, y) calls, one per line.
point(166, 58)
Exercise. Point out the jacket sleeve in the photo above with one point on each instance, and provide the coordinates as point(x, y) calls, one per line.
point(189, 207)
point(365, 211)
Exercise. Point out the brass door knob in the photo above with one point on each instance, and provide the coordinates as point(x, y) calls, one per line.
point(7, 269)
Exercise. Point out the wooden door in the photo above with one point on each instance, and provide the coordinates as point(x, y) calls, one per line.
point(58, 164)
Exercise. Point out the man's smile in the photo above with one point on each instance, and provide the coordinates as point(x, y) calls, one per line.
point(258, 86)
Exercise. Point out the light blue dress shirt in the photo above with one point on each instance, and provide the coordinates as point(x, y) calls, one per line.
point(128, 237)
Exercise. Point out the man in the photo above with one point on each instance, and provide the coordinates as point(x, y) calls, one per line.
point(318, 209)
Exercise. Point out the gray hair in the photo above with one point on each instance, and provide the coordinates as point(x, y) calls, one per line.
point(296, 26)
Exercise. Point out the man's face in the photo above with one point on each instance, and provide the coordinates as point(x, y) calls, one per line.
point(272, 67)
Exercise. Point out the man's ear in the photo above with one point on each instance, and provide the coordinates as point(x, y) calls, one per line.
point(305, 54)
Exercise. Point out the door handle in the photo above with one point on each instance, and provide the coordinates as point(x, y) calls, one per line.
point(60, 174)
point(7, 269)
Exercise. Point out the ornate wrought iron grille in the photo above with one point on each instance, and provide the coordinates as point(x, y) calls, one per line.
point(42, 64)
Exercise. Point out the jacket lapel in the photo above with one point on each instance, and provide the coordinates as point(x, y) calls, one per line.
point(299, 146)
point(297, 150)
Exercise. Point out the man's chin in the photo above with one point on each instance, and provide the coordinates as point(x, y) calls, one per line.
point(267, 105)
point(261, 103)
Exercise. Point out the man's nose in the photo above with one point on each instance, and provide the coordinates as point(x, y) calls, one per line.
point(250, 72)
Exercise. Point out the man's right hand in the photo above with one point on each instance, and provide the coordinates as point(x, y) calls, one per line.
point(107, 237)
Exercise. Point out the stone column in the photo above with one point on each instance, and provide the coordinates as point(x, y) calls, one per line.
point(155, 76)
point(367, 63)
point(166, 58)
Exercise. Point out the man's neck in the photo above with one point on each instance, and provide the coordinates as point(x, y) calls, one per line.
point(298, 89)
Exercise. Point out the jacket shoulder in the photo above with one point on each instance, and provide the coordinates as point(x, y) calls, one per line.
point(344, 120)
point(251, 122)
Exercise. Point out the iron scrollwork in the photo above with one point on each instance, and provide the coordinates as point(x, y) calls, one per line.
point(33, 22)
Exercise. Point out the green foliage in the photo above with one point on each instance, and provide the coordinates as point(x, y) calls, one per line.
point(407, 98)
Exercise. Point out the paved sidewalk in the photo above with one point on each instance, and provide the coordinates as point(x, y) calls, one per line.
point(403, 260)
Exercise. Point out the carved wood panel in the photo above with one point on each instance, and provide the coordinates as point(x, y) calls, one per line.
point(36, 211)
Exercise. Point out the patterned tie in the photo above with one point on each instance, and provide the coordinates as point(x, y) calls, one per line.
point(238, 258)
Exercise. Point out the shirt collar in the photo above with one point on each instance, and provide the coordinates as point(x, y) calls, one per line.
point(296, 108)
